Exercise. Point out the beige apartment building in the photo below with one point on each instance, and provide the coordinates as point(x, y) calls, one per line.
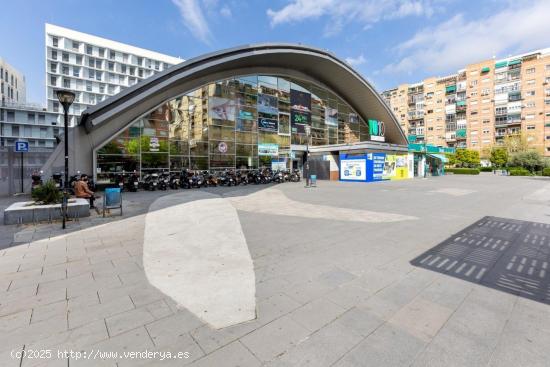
point(480, 105)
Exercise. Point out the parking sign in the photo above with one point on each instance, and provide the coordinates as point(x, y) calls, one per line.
point(21, 146)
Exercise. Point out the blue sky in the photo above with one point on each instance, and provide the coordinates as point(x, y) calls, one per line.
point(388, 41)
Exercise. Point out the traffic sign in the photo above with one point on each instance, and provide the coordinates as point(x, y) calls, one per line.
point(21, 146)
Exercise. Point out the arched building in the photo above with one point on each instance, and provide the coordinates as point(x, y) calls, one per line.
point(245, 107)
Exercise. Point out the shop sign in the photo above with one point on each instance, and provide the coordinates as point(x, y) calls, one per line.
point(154, 144)
point(268, 124)
point(377, 130)
point(271, 150)
point(222, 147)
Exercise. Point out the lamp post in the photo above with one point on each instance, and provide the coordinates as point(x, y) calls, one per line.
point(306, 170)
point(66, 98)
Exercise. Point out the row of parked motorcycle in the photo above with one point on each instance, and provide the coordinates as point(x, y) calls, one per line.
point(188, 179)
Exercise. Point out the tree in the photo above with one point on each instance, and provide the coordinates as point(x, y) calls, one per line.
point(467, 158)
point(531, 160)
point(499, 157)
point(516, 143)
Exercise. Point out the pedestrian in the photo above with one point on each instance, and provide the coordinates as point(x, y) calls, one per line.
point(81, 190)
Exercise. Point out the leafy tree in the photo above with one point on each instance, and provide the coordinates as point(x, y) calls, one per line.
point(451, 158)
point(467, 158)
point(531, 160)
point(516, 143)
point(499, 157)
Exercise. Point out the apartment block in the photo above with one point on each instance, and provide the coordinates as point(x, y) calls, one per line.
point(12, 84)
point(480, 105)
point(94, 68)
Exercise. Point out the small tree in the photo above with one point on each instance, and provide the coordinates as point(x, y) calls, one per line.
point(47, 193)
point(516, 143)
point(531, 160)
point(499, 157)
point(467, 158)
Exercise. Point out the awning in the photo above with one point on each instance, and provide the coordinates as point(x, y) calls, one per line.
point(514, 62)
point(501, 64)
point(485, 69)
point(441, 157)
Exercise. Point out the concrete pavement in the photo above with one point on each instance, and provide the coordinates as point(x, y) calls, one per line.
point(328, 292)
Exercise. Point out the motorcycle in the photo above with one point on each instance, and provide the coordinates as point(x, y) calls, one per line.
point(243, 177)
point(174, 181)
point(36, 179)
point(295, 176)
point(151, 181)
point(211, 179)
point(120, 180)
point(277, 177)
point(186, 179)
point(164, 181)
point(56, 177)
point(132, 183)
point(198, 180)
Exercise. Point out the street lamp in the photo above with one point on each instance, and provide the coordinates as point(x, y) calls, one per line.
point(66, 98)
point(307, 173)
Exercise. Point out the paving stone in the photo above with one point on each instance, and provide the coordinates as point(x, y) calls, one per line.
point(317, 314)
point(84, 315)
point(359, 321)
point(128, 320)
point(27, 303)
point(51, 310)
point(158, 309)
point(322, 348)
point(14, 321)
point(234, 354)
point(33, 332)
point(282, 334)
point(348, 295)
point(387, 346)
point(336, 277)
point(164, 331)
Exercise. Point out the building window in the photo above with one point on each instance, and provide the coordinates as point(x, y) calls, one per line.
point(112, 54)
point(53, 81)
point(123, 69)
point(98, 64)
point(76, 71)
point(124, 57)
point(88, 86)
point(30, 117)
point(530, 127)
point(53, 67)
point(530, 104)
point(530, 71)
point(79, 59)
point(15, 131)
point(111, 66)
point(102, 88)
point(89, 49)
point(54, 55)
point(41, 119)
point(65, 70)
point(10, 116)
point(101, 52)
point(66, 83)
point(65, 57)
point(76, 45)
point(55, 41)
point(91, 74)
point(530, 93)
point(55, 106)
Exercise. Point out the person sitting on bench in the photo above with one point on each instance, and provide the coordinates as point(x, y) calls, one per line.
point(81, 190)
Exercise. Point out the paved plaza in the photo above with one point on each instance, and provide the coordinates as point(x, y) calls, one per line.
point(279, 275)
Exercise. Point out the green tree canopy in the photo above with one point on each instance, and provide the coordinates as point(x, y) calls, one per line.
point(467, 158)
point(531, 160)
point(499, 157)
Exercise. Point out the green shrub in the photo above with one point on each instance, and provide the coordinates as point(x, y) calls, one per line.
point(47, 193)
point(519, 172)
point(546, 171)
point(463, 171)
point(487, 169)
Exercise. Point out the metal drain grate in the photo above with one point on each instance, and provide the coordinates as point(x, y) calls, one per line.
point(506, 254)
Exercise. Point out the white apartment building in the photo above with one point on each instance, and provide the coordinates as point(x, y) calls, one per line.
point(94, 68)
point(12, 84)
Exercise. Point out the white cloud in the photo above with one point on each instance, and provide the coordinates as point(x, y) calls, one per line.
point(355, 61)
point(193, 18)
point(519, 27)
point(342, 12)
point(225, 11)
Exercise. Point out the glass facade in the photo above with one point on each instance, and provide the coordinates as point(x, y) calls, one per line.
point(244, 122)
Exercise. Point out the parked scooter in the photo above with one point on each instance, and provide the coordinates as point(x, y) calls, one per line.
point(186, 179)
point(56, 177)
point(120, 180)
point(211, 179)
point(164, 181)
point(132, 183)
point(36, 179)
point(277, 177)
point(151, 181)
point(174, 181)
point(295, 175)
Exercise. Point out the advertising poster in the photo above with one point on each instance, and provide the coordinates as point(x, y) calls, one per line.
point(353, 118)
point(271, 150)
point(401, 168)
point(353, 169)
point(268, 124)
point(278, 165)
point(331, 116)
point(300, 110)
point(246, 115)
point(267, 104)
point(389, 167)
point(221, 108)
point(378, 163)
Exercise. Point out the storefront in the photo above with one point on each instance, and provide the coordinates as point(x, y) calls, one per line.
point(429, 160)
point(246, 108)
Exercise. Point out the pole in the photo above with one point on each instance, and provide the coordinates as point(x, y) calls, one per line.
point(22, 190)
point(66, 182)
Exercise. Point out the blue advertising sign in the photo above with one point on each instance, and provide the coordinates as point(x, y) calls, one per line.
point(21, 146)
point(378, 160)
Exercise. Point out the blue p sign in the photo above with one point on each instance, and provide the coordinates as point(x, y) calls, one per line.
point(21, 146)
